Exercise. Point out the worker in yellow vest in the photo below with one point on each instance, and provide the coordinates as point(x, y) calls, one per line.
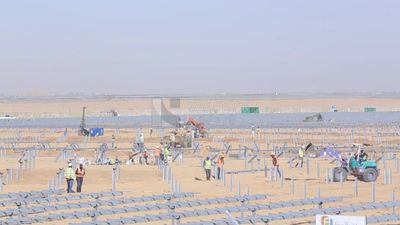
point(301, 156)
point(166, 153)
point(80, 172)
point(207, 167)
point(70, 177)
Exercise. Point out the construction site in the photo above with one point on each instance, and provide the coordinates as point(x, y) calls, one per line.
point(265, 168)
point(200, 112)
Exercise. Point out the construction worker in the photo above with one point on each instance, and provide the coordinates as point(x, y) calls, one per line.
point(166, 153)
point(141, 140)
point(146, 156)
point(113, 141)
point(275, 163)
point(220, 164)
point(301, 156)
point(207, 167)
point(157, 153)
point(70, 177)
point(162, 153)
point(80, 173)
point(258, 131)
point(363, 156)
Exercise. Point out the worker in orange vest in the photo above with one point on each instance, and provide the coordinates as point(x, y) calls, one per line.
point(146, 156)
point(275, 163)
point(157, 155)
point(220, 164)
point(80, 173)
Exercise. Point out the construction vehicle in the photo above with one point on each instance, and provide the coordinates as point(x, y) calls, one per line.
point(358, 166)
point(178, 138)
point(199, 128)
point(93, 132)
point(82, 127)
point(314, 118)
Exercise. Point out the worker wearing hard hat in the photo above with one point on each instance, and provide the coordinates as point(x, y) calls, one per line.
point(157, 154)
point(80, 172)
point(70, 177)
point(220, 163)
point(166, 153)
point(207, 164)
point(146, 156)
point(275, 164)
point(301, 156)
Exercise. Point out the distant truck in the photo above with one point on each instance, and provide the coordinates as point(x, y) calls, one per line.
point(7, 117)
point(314, 118)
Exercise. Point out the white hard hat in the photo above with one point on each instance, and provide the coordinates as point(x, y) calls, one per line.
point(69, 164)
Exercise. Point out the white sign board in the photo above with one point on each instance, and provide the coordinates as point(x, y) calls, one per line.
point(340, 220)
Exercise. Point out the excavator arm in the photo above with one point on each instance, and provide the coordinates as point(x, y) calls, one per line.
point(199, 126)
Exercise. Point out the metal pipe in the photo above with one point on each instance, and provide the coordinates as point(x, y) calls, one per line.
point(231, 185)
point(373, 192)
point(113, 175)
point(292, 185)
point(356, 186)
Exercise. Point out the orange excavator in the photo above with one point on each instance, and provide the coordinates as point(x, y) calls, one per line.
point(200, 129)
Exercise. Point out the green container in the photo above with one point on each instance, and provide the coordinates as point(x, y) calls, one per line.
point(369, 109)
point(247, 110)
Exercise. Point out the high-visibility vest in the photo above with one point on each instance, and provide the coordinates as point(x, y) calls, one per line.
point(301, 153)
point(207, 165)
point(220, 162)
point(274, 161)
point(69, 174)
point(80, 172)
point(166, 152)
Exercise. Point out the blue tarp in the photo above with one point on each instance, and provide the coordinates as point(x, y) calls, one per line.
point(96, 131)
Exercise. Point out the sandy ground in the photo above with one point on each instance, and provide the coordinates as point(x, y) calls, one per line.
point(144, 180)
point(127, 107)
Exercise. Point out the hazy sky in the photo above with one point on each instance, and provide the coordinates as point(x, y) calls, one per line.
point(216, 46)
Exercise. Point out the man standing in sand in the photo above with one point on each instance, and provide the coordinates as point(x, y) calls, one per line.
point(301, 156)
point(70, 177)
point(207, 167)
point(146, 156)
point(80, 172)
point(157, 153)
point(275, 164)
point(220, 164)
point(113, 142)
point(166, 154)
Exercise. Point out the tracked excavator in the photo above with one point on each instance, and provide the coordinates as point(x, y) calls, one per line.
point(199, 128)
